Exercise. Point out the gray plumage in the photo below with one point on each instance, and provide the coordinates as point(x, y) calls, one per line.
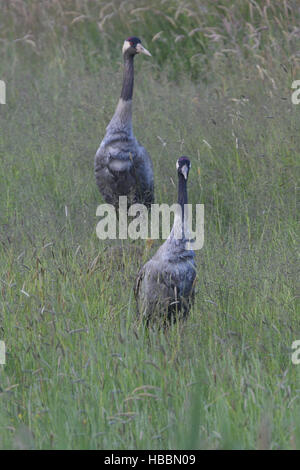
point(123, 167)
point(164, 287)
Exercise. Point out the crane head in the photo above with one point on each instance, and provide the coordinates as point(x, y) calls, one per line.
point(133, 45)
point(183, 166)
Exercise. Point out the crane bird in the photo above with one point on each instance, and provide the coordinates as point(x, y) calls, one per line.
point(123, 167)
point(164, 287)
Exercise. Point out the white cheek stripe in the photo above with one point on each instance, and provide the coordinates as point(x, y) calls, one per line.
point(126, 46)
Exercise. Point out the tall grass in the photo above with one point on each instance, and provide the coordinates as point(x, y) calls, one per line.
point(79, 373)
point(189, 35)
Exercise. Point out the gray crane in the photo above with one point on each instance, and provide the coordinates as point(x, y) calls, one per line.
point(123, 167)
point(164, 287)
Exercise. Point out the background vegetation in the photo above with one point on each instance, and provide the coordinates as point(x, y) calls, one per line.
point(79, 374)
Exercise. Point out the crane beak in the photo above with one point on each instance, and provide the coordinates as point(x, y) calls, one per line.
point(141, 49)
point(185, 171)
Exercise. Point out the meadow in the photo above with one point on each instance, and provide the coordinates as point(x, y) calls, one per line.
point(79, 372)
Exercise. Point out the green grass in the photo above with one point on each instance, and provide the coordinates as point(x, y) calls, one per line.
point(79, 373)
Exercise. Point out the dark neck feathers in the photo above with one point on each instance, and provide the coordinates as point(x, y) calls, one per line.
point(128, 78)
point(182, 191)
point(182, 199)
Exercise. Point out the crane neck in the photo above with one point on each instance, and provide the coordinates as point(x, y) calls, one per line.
point(182, 192)
point(122, 118)
point(179, 229)
point(128, 78)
